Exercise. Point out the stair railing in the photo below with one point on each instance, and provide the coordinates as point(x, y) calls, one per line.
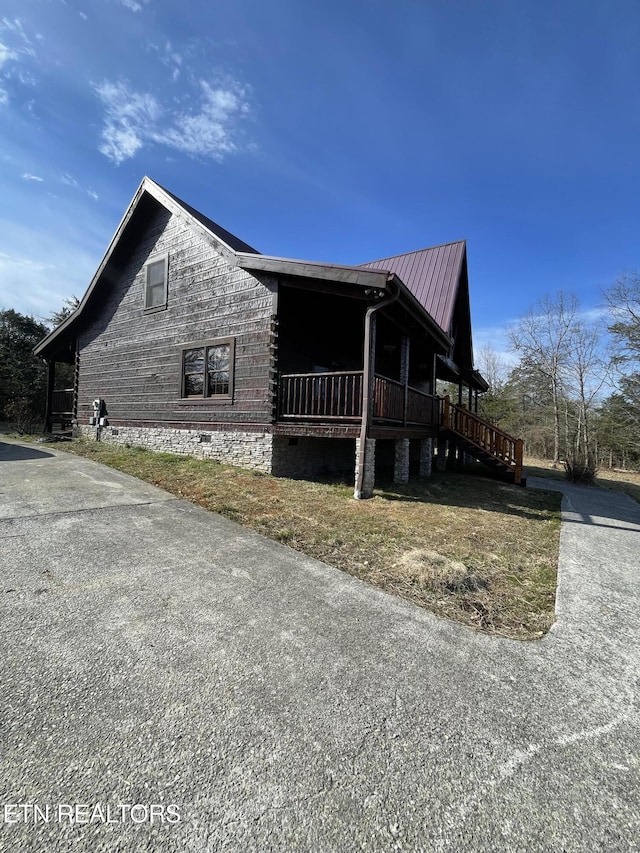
point(484, 435)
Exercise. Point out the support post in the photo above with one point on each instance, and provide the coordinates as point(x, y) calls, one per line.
point(446, 412)
point(404, 375)
point(518, 467)
point(401, 461)
point(51, 378)
point(365, 478)
point(426, 457)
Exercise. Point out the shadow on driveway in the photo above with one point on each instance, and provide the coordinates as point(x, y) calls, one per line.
point(19, 453)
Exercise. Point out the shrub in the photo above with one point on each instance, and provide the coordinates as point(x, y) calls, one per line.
point(581, 468)
point(26, 415)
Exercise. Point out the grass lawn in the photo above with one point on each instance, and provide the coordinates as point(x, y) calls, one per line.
point(461, 545)
point(607, 478)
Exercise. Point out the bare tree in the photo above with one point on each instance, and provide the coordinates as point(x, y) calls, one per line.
point(493, 367)
point(623, 299)
point(587, 372)
point(542, 337)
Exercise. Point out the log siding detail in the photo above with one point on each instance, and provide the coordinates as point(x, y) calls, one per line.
point(132, 357)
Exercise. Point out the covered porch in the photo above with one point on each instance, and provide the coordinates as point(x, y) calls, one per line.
point(337, 397)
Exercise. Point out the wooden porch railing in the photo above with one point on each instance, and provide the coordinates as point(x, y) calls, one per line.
point(62, 401)
point(391, 404)
point(321, 396)
point(338, 396)
point(485, 436)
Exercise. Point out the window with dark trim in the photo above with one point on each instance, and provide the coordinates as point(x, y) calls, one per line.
point(207, 369)
point(155, 283)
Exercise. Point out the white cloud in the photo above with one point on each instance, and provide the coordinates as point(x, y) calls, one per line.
point(6, 54)
point(134, 5)
point(130, 117)
point(29, 177)
point(133, 119)
point(15, 48)
point(17, 30)
point(69, 181)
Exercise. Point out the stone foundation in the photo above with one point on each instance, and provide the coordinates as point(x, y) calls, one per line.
point(245, 449)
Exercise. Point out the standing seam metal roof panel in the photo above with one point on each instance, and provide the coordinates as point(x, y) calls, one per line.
point(432, 276)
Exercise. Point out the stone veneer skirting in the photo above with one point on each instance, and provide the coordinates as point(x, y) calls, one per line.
point(261, 451)
point(245, 449)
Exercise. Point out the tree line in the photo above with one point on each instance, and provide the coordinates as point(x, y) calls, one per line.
point(573, 394)
point(23, 377)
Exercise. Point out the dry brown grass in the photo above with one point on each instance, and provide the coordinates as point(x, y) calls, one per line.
point(465, 547)
point(608, 478)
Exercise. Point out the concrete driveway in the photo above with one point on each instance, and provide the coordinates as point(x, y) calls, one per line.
point(172, 682)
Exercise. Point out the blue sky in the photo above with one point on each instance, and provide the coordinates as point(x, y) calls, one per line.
point(333, 131)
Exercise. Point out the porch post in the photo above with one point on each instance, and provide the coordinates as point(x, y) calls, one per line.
point(404, 374)
point(366, 458)
point(426, 456)
point(401, 461)
point(51, 378)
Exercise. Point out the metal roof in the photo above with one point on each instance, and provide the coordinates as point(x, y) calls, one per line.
point(432, 275)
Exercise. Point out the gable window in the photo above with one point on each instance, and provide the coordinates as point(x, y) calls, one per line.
point(155, 283)
point(207, 369)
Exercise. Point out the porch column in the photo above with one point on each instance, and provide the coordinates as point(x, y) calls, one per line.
point(401, 461)
point(369, 470)
point(51, 378)
point(404, 374)
point(426, 457)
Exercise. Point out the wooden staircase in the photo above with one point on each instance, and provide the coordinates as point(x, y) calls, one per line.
point(485, 442)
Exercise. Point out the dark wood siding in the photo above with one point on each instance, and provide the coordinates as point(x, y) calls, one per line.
point(131, 358)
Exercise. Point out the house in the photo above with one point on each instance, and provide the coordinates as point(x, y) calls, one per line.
point(189, 340)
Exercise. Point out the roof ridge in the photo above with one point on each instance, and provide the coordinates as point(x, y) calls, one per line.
point(219, 231)
point(416, 251)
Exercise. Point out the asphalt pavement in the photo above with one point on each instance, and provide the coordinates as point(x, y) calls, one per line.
point(173, 682)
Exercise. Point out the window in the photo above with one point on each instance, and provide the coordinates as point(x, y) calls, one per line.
point(207, 369)
point(155, 287)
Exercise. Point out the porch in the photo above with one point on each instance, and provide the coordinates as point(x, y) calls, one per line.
point(330, 405)
point(336, 398)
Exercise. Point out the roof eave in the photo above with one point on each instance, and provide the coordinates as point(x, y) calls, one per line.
point(314, 269)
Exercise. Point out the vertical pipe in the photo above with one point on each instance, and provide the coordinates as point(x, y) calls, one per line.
point(367, 378)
